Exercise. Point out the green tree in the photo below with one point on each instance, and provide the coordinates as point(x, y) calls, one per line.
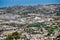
point(9, 37)
point(16, 35)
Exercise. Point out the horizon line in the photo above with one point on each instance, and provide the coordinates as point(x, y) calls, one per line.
point(30, 5)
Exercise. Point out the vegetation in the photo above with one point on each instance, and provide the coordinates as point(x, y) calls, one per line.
point(9, 37)
point(14, 35)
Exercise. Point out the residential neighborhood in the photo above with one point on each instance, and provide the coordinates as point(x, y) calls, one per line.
point(41, 22)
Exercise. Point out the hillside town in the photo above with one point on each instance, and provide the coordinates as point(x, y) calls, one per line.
point(40, 22)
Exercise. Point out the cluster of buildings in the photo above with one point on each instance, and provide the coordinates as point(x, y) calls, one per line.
point(10, 22)
point(6, 27)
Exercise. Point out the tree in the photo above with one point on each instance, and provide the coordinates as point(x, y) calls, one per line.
point(9, 37)
point(50, 31)
point(16, 35)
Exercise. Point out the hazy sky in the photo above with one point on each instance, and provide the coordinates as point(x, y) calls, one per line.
point(4, 3)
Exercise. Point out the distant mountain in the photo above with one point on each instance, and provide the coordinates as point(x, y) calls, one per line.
point(51, 9)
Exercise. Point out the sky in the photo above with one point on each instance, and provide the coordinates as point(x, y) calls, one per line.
point(5, 3)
